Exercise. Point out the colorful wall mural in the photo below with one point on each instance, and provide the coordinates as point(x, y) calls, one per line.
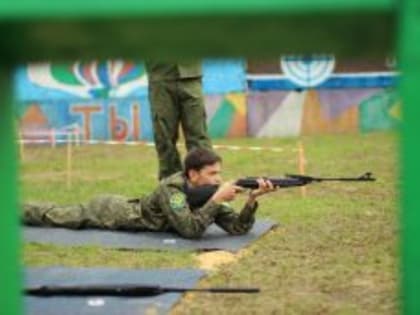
point(353, 103)
point(308, 96)
point(109, 100)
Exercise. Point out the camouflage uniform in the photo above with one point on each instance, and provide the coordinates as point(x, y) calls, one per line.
point(165, 209)
point(176, 97)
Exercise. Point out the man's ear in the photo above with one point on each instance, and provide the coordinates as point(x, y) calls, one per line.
point(192, 175)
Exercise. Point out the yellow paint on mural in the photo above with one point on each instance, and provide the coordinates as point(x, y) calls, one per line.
point(239, 124)
point(315, 122)
point(312, 123)
point(238, 101)
point(395, 111)
point(348, 121)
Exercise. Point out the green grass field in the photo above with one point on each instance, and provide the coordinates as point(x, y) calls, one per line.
point(336, 251)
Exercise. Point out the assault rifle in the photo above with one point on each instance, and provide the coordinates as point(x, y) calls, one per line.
point(126, 290)
point(198, 196)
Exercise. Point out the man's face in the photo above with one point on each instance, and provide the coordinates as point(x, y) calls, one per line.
point(208, 175)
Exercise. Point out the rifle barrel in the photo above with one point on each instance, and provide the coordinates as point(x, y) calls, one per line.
point(216, 290)
point(366, 177)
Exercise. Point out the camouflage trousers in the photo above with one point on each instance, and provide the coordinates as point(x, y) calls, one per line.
point(104, 212)
point(173, 104)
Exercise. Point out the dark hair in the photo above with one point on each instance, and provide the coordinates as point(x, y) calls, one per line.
point(198, 158)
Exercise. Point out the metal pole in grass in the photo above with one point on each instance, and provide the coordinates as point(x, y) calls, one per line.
point(9, 233)
point(409, 50)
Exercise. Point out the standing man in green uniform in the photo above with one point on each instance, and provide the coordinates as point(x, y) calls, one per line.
point(165, 209)
point(176, 98)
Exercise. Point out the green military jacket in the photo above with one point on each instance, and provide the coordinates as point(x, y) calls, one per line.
point(167, 209)
point(159, 71)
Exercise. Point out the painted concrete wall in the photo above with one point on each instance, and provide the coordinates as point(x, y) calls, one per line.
point(109, 100)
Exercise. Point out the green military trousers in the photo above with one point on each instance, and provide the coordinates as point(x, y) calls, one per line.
point(104, 212)
point(174, 103)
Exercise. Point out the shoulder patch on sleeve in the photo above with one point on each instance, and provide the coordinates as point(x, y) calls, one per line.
point(177, 201)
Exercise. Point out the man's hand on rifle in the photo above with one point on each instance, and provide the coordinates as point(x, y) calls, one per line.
point(264, 186)
point(226, 192)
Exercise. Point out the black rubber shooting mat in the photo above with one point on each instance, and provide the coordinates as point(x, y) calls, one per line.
point(160, 304)
point(214, 238)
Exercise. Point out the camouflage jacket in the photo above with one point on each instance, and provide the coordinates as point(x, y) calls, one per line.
point(167, 209)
